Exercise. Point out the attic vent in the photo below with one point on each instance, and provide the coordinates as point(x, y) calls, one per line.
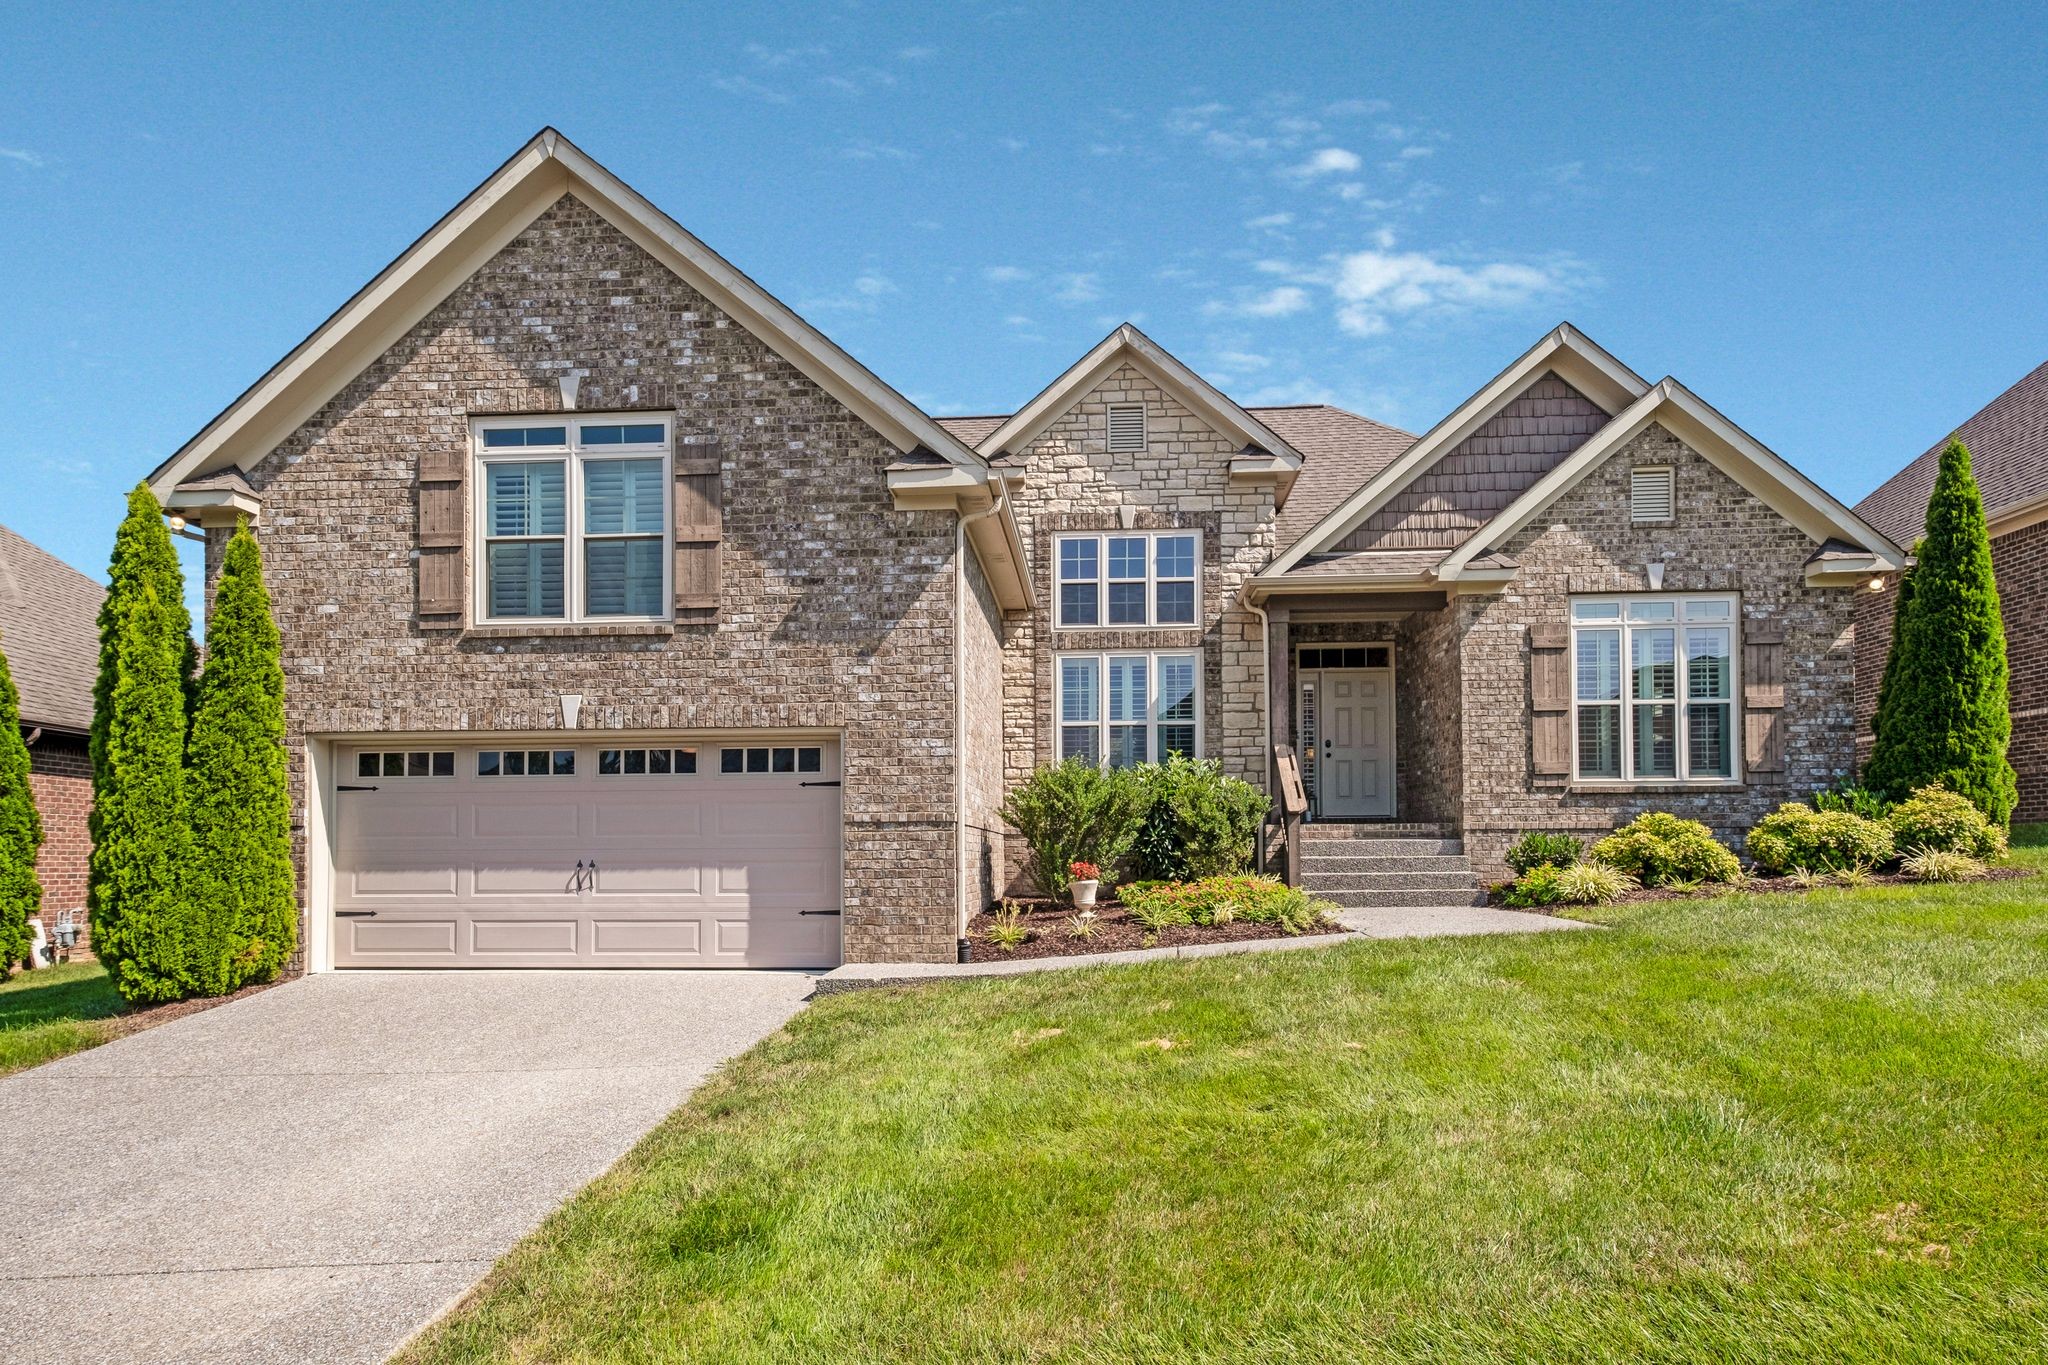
point(1649, 495)
point(1127, 427)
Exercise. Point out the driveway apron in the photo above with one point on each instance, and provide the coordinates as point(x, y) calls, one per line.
point(312, 1172)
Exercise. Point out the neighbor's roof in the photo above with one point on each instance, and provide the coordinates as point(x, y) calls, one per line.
point(2008, 444)
point(1340, 451)
point(49, 630)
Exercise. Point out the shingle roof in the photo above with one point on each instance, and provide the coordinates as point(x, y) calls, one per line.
point(49, 628)
point(1369, 564)
point(2008, 444)
point(1340, 450)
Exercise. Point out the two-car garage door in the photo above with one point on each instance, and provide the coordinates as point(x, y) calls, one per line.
point(715, 854)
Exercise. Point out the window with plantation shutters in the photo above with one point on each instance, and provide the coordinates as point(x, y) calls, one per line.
point(1127, 427)
point(573, 519)
point(1649, 494)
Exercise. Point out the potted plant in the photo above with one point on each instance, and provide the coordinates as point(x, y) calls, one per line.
point(1086, 877)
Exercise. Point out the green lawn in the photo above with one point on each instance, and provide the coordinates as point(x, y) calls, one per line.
point(1749, 1129)
point(45, 1014)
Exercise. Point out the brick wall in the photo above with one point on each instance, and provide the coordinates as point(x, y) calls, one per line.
point(837, 611)
point(60, 779)
point(1723, 540)
point(981, 701)
point(2020, 561)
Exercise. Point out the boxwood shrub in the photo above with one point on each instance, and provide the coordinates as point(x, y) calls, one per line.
point(1658, 848)
point(1798, 838)
point(1936, 818)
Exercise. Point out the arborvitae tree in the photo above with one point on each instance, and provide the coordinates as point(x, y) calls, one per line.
point(143, 925)
point(239, 871)
point(1949, 718)
point(1888, 686)
point(21, 832)
point(143, 558)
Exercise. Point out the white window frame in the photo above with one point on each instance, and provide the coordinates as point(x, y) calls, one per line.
point(1682, 619)
point(574, 454)
point(1101, 723)
point(1152, 579)
point(1109, 440)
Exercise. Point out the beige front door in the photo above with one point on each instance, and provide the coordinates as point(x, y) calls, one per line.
point(537, 853)
point(1348, 729)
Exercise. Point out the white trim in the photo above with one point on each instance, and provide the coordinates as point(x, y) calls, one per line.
point(1715, 439)
point(322, 762)
point(1627, 703)
point(1128, 345)
point(1393, 714)
point(574, 454)
point(1573, 355)
point(1152, 580)
point(1102, 722)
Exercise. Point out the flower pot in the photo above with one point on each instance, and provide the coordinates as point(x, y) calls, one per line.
point(1083, 892)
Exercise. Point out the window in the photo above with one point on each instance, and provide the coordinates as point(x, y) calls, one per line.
point(1345, 656)
point(1649, 494)
point(575, 519)
point(1125, 709)
point(413, 763)
point(1137, 578)
point(526, 763)
point(1669, 714)
point(800, 758)
point(646, 762)
point(1126, 427)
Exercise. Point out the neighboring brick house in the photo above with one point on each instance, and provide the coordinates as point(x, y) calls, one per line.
point(2008, 444)
point(628, 621)
point(49, 630)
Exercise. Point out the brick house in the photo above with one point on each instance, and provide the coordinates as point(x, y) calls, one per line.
point(49, 630)
point(2008, 444)
point(628, 621)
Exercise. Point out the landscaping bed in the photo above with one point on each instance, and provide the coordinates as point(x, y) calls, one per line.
point(1116, 931)
point(1760, 885)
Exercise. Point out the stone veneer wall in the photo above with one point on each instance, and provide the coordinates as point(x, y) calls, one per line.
point(2020, 560)
point(837, 611)
point(981, 703)
point(60, 783)
point(1722, 539)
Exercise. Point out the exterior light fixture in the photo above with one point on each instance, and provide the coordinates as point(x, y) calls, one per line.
point(177, 522)
point(1877, 583)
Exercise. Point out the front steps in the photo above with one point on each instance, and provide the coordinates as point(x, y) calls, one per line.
point(1387, 866)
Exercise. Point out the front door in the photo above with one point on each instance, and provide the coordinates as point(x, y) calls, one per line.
point(1348, 738)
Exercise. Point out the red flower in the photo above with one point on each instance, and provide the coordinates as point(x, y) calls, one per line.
point(1084, 872)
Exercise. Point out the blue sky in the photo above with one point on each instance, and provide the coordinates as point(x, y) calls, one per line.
point(1827, 221)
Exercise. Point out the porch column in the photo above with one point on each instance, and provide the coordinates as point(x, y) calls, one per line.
point(1279, 695)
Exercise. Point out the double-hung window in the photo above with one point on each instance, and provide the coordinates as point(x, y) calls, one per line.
point(1132, 578)
point(1125, 709)
point(1653, 688)
point(575, 514)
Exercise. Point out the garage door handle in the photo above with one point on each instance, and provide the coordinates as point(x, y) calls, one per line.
point(817, 912)
point(818, 784)
point(344, 787)
point(354, 914)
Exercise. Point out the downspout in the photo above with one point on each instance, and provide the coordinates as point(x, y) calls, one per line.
point(960, 552)
point(1266, 703)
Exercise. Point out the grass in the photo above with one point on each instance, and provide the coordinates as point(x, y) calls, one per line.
point(1747, 1129)
point(49, 1013)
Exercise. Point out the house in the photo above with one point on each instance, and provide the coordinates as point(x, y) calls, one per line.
point(2008, 443)
point(629, 621)
point(49, 630)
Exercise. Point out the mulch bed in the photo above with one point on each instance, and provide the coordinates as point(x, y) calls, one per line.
point(1115, 932)
point(149, 1016)
point(1758, 885)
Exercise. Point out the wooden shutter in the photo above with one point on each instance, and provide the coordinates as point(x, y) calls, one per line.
point(1550, 700)
point(1763, 699)
point(700, 531)
point(440, 536)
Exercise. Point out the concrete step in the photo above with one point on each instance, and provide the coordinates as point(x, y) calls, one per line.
point(1319, 864)
point(1313, 847)
point(1325, 883)
point(1373, 829)
point(1379, 900)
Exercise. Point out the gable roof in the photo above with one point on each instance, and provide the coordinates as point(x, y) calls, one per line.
point(1731, 450)
point(540, 173)
point(2008, 441)
point(1129, 346)
point(49, 630)
point(1565, 351)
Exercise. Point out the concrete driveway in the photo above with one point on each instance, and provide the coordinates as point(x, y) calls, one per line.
point(311, 1173)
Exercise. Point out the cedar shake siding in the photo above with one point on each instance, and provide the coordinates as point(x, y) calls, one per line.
point(834, 610)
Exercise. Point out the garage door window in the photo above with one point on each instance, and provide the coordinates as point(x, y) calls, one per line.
point(774, 759)
point(526, 763)
point(646, 762)
point(406, 763)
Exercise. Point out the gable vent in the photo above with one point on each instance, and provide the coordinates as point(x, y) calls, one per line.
point(1127, 426)
point(1649, 495)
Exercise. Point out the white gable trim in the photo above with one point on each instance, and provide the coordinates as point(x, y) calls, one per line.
point(1719, 441)
point(1129, 346)
point(1576, 358)
point(538, 175)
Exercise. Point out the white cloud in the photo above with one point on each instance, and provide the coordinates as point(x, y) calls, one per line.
point(744, 85)
point(1355, 108)
point(874, 285)
point(1372, 286)
point(1278, 302)
point(782, 56)
point(22, 155)
point(1078, 287)
point(864, 150)
point(1242, 360)
point(1005, 274)
point(1012, 144)
point(917, 54)
point(1292, 392)
point(858, 81)
point(1017, 320)
point(1411, 153)
point(1328, 161)
point(1270, 222)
